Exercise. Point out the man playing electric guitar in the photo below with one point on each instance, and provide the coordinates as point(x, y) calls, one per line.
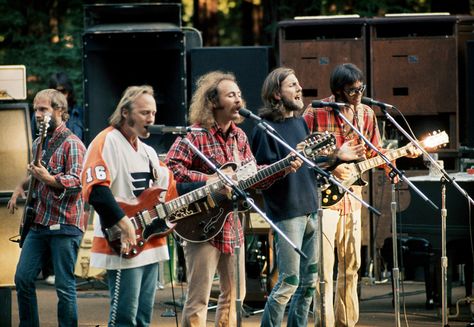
point(58, 222)
point(118, 165)
point(214, 106)
point(342, 222)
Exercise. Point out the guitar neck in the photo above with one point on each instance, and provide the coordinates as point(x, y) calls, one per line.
point(203, 191)
point(378, 161)
point(265, 173)
point(36, 161)
point(193, 196)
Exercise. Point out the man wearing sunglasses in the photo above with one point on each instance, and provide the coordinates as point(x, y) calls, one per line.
point(342, 221)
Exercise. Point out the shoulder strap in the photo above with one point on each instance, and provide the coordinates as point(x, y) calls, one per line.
point(53, 147)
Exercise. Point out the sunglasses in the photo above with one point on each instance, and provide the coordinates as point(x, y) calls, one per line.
point(352, 91)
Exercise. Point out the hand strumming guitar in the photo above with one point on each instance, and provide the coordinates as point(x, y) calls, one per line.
point(128, 236)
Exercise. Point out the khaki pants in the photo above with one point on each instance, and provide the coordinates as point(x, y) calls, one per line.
point(202, 261)
point(343, 232)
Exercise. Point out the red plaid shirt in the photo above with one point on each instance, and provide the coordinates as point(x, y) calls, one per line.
point(189, 167)
point(325, 119)
point(65, 206)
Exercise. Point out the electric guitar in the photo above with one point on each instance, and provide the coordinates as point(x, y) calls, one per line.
point(204, 224)
point(333, 193)
point(198, 215)
point(28, 212)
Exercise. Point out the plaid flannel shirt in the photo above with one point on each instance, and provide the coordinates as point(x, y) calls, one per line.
point(325, 119)
point(53, 206)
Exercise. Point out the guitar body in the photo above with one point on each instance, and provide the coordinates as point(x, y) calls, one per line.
point(205, 224)
point(333, 194)
point(142, 212)
point(27, 221)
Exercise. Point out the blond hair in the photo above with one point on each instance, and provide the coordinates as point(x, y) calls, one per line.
point(57, 99)
point(206, 95)
point(129, 96)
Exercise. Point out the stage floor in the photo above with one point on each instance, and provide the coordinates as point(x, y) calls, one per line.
point(375, 306)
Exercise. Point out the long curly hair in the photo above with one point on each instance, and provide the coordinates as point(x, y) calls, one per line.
point(206, 96)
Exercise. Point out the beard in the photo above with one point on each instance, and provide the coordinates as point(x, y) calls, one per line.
point(53, 124)
point(291, 105)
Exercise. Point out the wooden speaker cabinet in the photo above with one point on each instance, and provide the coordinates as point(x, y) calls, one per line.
point(417, 63)
point(314, 47)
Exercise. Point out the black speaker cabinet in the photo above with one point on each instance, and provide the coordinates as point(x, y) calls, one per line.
point(133, 50)
point(250, 66)
point(131, 13)
point(313, 47)
point(114, 61)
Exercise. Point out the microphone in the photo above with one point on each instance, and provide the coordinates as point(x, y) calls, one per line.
point(372, 102)
point(321, 104)
point(248, 114)
point(163, 129)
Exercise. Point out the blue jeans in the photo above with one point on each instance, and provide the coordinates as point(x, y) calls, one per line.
point(136, 296)
point(63, 249)
point(297, 275)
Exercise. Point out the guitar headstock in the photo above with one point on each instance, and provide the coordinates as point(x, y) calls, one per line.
point(435, 140)
point(43, 127)
point(319, 144)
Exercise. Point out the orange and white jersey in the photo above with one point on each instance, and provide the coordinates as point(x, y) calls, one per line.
point(111, 161)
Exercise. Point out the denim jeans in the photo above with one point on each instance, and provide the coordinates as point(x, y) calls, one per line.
point(63, 249)
point(136, 296)
point(297, 275)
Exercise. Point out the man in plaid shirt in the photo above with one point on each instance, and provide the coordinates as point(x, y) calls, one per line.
point(214, 106)
point(59, 221)
point(342, 221)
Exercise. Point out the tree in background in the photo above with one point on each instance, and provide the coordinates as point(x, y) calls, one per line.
point(45, 36)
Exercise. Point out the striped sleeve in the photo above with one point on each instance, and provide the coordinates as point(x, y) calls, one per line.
point(96, 170)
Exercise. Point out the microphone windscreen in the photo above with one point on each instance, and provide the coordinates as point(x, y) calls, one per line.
point(367, 101)
point(317, 104)
point(245, 112)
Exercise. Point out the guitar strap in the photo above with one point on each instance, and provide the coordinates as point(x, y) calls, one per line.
point(236, 154)
point(53, 147)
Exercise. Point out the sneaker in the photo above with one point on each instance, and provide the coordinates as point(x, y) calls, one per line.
point(50, 280)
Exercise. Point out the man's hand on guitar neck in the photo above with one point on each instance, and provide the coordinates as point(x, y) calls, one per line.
point(413, 152)
point(42, 174)
point(226, 189)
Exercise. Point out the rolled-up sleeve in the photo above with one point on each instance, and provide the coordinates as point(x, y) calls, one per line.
point(70, 176)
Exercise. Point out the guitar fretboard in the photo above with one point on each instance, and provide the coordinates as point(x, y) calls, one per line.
point(265, 173)
point(378, 161)
point(193, 196)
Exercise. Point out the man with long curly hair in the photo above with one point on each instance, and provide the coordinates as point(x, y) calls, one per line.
point(215, 106)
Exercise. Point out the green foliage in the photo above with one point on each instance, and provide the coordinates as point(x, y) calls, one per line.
point(28, 38)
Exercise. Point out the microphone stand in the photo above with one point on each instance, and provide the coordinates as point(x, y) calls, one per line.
point(237, 194)
point(393, 173)
point(444, 178)
point(321, 174)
